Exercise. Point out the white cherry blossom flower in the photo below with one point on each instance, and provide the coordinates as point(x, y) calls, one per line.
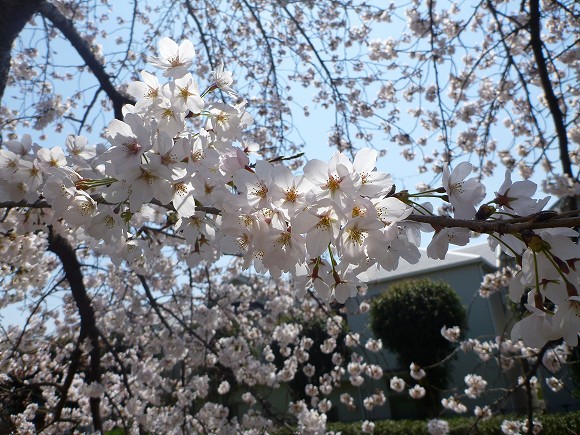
point(223, 80)
point(9, 163)
point(510, 427)
point(517, 197)
point(51, 158)
point(354, 236)
point(371, 182)
point(535, 329)
point(130, 139)
point(23, 146)
point(566, 320)
point(174, 60)
point(451, 334)
point(170, 116)
point(333, 180)
point(463, 194)
point(81, 210)
point(228, 122)
point(417, 372)
point(454, 405)
point(184, 92)
point(439, 245)
point(256, 185)
point(397, 384)
point(321, 225)
point(437, 427)
point(483, 413)
point(476, 385)
point(417, 392)
point(79, 148)
point(147, 92)
point(146, 182)
point(554, 384)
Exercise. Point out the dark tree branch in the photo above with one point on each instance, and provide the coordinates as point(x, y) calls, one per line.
point(73, 368)
point(506, 226)
point(202, 33)
point(512, 225)
point(153, 302)
point(14, 14)
point(551, 98)
point(62, 23)
point(72, 271)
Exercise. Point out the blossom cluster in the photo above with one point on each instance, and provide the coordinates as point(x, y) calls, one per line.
point(177, 175)
point(177, 171)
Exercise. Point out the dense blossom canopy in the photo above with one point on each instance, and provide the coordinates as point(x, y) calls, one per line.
point(151, 335)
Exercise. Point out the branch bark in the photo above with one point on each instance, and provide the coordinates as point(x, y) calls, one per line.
point(72, 270)
point(536, 221)
point(67, 28)
point(551, 98)
point(506, 226)
point(14, 14)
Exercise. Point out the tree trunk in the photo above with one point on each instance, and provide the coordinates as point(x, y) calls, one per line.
point(14, 14)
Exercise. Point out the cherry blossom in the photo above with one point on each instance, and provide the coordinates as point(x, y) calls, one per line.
point(175, 60)
point(171, 195)
point(463, 194)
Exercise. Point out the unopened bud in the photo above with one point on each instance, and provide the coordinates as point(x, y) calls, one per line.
point(537, 244)
point(484, 212)
point(126, 215)
point(403, 196)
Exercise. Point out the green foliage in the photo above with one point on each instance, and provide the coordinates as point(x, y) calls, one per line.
point(565, 423)
point(409, 315)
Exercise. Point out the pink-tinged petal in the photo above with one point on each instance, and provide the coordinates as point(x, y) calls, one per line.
point(118, 131)
point(138, 90)
point(506, 184)
point(446, 175)
point(183, 200)
point(461, 171)
point(535, 329)
point(149, 79)
point(525, 188)
point(304, 222)
point(316, 171)
point(516, 288)
point(168, 48)
point(317, 242)
point(264, 169)
point(186, 51)
point(343, 291)
point(365, 160)
point(283, 177)
point(195, 104)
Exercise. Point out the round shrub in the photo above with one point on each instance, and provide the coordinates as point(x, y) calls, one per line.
point(409, 315)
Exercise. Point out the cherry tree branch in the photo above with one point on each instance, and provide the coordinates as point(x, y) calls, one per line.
point(66, 26)
point(72, 270)
point(14, 15)
point(514, 225)
point(535, 221)
point(551, 98)
point(153, 302)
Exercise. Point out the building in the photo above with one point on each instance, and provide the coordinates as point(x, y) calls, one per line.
point(463, 270)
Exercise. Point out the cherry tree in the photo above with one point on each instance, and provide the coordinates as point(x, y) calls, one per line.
point(150, 334)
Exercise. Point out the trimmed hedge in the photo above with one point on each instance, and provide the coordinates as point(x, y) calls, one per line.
point(553, 424)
